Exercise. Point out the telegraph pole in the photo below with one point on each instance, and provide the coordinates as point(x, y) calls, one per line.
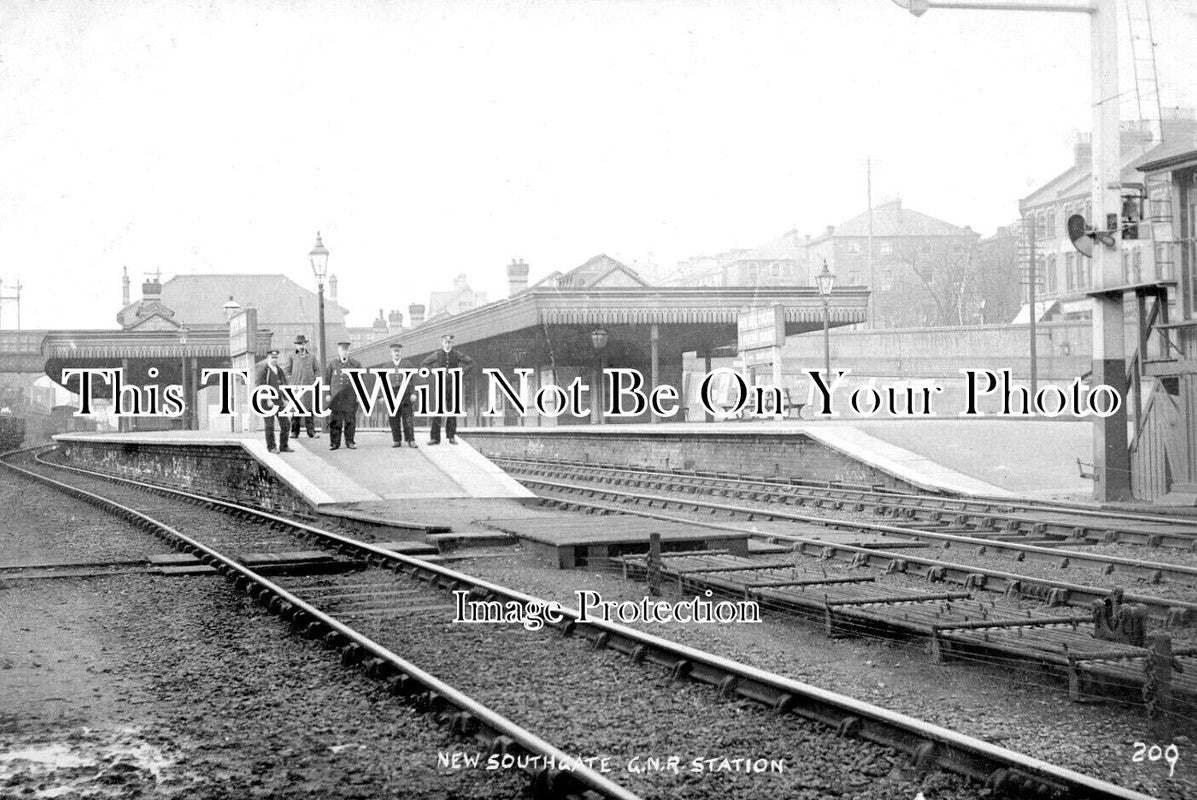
point(869, 190)
point(1029, 229)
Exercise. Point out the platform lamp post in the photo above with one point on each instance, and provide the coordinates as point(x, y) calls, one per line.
point(1111, 455)
point(598, 339)
point(319, 260)
point(825, 281)
point(186, 415)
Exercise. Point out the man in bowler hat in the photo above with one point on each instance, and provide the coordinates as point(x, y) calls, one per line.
point(403, 422)
point(271, 374)
point(446, 358)
point(343, 404)
point(301, 370)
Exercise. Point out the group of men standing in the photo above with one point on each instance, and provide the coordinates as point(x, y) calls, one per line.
point(300, 370)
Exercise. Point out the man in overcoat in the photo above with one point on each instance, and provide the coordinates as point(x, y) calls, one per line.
point(447, 358)
point(343, 402)
point(301, 369)
point(271, 374)
point(403, 423)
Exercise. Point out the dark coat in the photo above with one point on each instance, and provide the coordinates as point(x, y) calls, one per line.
point(450, 360)
point(265, 377)
point(343, 400)
point(405, 402)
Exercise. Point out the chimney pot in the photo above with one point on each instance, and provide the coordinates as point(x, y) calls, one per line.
point(517, 276)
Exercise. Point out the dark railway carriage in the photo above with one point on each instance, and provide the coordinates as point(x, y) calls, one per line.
point(12, 430)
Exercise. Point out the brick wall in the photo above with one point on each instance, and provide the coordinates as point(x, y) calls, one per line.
point(793, 455)
point(227, 472)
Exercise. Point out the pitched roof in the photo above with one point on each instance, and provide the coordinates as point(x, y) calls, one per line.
point(1170, 155)
point(1075, 180)
point(596, 270)
point(890, 219)
point(199, 299)
point(783, 248)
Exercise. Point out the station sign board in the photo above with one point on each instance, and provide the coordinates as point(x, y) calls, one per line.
point(761, 328)
point(243, 331)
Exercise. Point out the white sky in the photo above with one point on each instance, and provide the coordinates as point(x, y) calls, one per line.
point(426, 139)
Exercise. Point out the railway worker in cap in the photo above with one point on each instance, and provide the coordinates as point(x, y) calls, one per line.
point(301, 371)
point(271, 374)
point(446, 358)
point(343, 403)
point(403, 423)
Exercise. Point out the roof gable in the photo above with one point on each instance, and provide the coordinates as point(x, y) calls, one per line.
point(602, 269)
point(155, 318)
point(891, 219)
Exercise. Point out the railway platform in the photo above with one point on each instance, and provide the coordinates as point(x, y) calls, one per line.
point(983, 457)
point(235, 463)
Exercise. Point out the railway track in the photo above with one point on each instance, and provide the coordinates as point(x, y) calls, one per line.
point(359, 596)
point(462, 714)
point(807, 531)
point(957, 624)
point(1033, 520)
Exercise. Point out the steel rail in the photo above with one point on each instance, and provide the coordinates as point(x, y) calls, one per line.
point(978, 505)
point(1051, 591)
point(1155, 569)
point(563, 776)
point(1002, 770)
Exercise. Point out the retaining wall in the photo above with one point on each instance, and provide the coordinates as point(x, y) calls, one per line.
point(225, 471)
point(768, 455)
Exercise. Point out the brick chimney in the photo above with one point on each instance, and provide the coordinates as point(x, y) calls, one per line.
point(124, 287)
point(517, 276)
point(381, 322)
point(151, 289)
point(395, 320)
point(332, 288)
point(1083, 151)
point(415, 312)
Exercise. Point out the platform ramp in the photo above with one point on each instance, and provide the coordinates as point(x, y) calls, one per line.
point(377, 471)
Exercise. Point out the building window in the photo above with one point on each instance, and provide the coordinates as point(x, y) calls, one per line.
point(1084, 272)
point(1050, 270)
point(854, 248)
point(1049, 223)
point(1126, 266)
point(885, 248)
point(887, 279)
point(1069, 272)
point(1137, 266)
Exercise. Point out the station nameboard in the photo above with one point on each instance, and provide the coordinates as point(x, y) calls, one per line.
point(761, 328)
point(243, 331)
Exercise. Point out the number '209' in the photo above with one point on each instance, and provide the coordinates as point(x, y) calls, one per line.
point(1171, 755)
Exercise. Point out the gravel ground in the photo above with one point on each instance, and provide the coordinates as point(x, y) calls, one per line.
point(177, 687)
point(599, 705)
point(148, 686)
point(67, 530)
point(220, 530)
point(1014, 715)
point(1096, 739)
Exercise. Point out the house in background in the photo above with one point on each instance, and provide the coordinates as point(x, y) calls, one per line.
point(1064, 274)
